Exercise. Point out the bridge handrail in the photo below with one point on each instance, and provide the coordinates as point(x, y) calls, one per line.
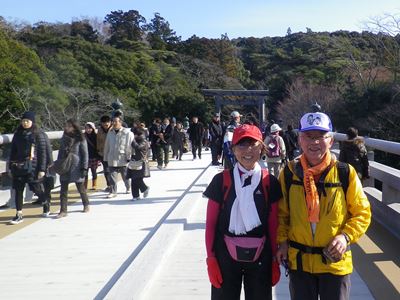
point(376, 144)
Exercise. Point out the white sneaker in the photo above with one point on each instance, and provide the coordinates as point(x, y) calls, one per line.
point(128, 191)
point(46, 214)
point(146, 192)
point(111, 195)
point(136, 199)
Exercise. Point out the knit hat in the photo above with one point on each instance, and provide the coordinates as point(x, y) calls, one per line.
point(91, 124)
point(30, 115)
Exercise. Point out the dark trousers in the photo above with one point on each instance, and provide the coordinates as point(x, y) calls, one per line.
point(304, 285)
point(196, 147)
point(162, 154)
point(256, 276)
point(106, 171)
point(137, 185)
point(216, 150)
point(153, 147)
point(19, 184)
point(48, 184)
point(80, 186)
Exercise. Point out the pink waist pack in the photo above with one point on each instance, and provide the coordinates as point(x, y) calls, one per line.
point(244, 249)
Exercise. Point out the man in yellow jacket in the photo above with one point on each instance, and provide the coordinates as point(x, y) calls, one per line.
point(322, 212)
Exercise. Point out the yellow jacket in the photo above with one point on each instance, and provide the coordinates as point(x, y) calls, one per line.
point(338, 214)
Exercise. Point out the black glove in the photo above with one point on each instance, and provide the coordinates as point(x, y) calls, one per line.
point(84, 172)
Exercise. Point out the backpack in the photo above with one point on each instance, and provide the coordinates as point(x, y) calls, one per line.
point(273, 147)
point(343, 170)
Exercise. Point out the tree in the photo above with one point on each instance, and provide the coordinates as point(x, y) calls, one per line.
point(301, 95)
point(387, 40)
point(125, 26)
point(159, 33)
point(84, 30)
point(289, 31)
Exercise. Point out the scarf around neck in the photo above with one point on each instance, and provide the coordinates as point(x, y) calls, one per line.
point(244, 215)
point(312, 197)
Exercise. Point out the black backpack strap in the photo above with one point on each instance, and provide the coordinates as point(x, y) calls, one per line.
point(288, 175)
point(344, 172)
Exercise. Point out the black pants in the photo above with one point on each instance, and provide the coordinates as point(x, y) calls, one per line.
point(48, 184)
point(196, 147)
point(64, 194)
point(256, 276)
point(216, 150)
point(137, 185)
point(304, 285)
point(19, 186)
point(106, 171)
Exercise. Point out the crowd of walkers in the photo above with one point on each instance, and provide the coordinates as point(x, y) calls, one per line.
point(282, 199)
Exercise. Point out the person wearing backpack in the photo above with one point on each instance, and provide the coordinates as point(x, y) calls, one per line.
point(241, 223)
point(276, 150)
point(353, 151)
point(323, 211)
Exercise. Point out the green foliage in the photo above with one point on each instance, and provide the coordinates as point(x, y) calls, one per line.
point(61, 70)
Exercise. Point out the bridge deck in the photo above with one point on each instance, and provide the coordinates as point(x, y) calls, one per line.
point(149, 249)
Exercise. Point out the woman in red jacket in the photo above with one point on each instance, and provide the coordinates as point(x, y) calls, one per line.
point(241, 223)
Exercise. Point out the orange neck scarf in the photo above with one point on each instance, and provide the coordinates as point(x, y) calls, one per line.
point(312, 197)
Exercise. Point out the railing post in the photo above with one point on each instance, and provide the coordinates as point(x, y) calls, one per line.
point(370, 181)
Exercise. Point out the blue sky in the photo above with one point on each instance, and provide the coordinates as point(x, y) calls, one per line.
point(211, 18)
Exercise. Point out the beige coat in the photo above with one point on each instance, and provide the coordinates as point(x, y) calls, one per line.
point(117, 148)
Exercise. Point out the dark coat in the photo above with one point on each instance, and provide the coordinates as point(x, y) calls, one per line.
point(140, 149)
point(21, 146)
point(354, 152)
point(196, 132)
point(80, 157)
point(216, 133)
point(92, 145)
point(178, 137)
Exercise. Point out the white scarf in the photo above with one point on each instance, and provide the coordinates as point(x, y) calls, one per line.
point(244, 215)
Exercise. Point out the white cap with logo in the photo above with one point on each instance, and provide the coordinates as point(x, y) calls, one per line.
point(315, 121)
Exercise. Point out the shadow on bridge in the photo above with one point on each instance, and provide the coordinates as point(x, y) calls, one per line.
point(376, 258)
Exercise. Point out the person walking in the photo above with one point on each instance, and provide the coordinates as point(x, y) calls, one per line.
point(216, 139)
point(276, 150)
point(105, 126)
point(117, 153)
point(291, 142)
point(178, 140)
point(353, 151)
point(195, 132)
point(322, 212)
point(27, 161)
point(48, 179)
point(73, 142)
point(164, 143)
point(235, 119)
point(139, 168)
point(241, 223)
point(91, 139)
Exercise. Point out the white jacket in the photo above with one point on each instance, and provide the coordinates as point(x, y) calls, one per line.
point(117, 148)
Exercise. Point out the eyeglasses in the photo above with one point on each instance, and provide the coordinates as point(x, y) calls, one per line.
point(247, 144)
point(320, 138)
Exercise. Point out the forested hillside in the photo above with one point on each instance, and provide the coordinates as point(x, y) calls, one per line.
point(79, 69)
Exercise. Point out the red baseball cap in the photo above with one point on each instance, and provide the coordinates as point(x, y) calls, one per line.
point(246, 131)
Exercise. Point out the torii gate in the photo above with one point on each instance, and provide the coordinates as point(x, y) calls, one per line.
point(245, 97)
